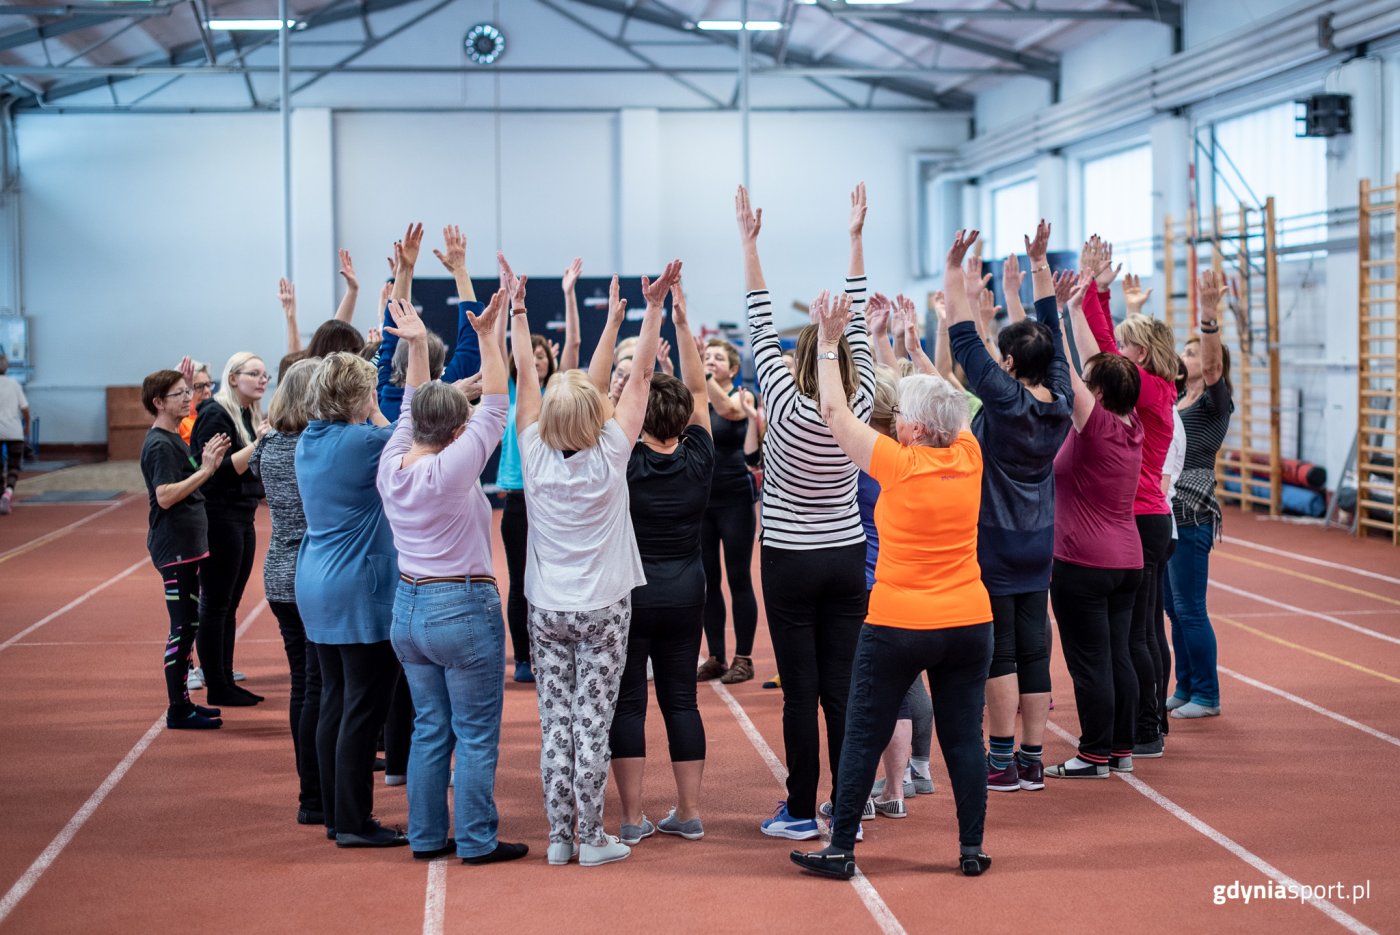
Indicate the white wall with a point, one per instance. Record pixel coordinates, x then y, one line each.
145 238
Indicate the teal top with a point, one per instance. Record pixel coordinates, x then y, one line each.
508 474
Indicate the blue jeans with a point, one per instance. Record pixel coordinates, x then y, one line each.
1193 639
451 640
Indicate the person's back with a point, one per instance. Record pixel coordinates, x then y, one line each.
1096 480
668 495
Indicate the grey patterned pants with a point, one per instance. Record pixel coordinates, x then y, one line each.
578 658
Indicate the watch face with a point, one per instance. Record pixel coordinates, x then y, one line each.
484 43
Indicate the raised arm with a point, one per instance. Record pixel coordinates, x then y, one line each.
1047 312
568 360
466 358
856 438
405 258
346 310
600 365
1134 295
880 308
287 295
1084 401
692 366
1011 279
632 405
1209 288
750 222
527 381
1086 340
773 377
856 268
409 327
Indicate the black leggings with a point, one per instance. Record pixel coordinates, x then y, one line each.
816 602
398 728
182 603
515 529
356 682
1094 608
1151 653
224 575
305 708
733 527
670 637
1022 647
888 660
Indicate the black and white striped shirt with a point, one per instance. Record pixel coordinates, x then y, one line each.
809 485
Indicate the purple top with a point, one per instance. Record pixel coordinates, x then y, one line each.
1096 479
440 517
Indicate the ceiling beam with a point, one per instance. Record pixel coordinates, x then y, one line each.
1140 11
1166 12
1035 65
195 70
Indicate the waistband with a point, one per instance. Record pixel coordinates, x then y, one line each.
449 579
514 494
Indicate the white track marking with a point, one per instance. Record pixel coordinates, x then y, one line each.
879 910
60 531
65 837
71 604
1249 857
1335 566
1289 696
435 898
1356 627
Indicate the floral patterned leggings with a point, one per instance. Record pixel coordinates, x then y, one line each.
578 658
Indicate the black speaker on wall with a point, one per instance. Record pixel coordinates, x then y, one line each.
1324 115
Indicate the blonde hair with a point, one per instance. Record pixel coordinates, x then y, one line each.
341 386
1155 338
290 408
886 398
626 347
572 412
226 398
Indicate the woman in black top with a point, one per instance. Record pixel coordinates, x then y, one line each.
1205 410
230 502
669 480
729 521
178 540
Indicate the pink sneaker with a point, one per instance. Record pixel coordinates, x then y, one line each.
1003 780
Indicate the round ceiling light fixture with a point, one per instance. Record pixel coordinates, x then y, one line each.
484 44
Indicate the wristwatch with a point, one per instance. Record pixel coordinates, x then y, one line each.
827 355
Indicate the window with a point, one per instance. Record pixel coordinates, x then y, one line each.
1015 213
1257 155
1118 205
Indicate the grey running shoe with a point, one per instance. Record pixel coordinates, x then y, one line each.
691 830
631 834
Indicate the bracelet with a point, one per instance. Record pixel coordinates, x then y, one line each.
1040 269
517 311
1215 330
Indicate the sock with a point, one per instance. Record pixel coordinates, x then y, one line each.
919 764
1028 754
1000 750
970 850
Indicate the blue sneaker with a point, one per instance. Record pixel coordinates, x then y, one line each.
523 673
783 825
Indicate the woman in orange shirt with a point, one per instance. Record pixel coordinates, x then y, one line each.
928 610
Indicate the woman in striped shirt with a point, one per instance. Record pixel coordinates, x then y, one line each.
812 545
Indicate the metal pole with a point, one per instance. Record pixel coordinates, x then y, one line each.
284 77
744 63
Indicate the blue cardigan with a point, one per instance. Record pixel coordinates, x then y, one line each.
465 360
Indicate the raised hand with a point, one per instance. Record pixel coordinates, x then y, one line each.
572 273
1037 248
655 292
962 242
832 316
987 308
1065 282
470 386
909 319
1011 276
347 270
973 275
554 351
679 317
750 221
1081 289
489 320
1210 287
510 282
186 368
617 306
287 295
663 357
1133 294
214 451
937 303
746 399
385 291
407 325
412 242
373 336
1106 272
877 313
454 252
858 207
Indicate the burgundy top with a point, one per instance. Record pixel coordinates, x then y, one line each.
1096 474
1155 404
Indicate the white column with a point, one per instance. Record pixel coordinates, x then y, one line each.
313 224
639 190
1171 186
1052 192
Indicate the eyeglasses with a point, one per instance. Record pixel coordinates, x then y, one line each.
203 386
186 391
259 375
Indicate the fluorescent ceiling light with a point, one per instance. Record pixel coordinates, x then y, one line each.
248 25
734 25
874 2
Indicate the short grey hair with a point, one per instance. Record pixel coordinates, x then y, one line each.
398 364
935 405
439 410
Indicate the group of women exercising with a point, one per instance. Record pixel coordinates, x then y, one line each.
917 516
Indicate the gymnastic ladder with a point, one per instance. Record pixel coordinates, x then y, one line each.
1241 246
1378 362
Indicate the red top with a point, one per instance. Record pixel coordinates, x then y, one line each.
1154 408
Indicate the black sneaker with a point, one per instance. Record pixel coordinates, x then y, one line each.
374 835
449 848
973 865
192 721
504 851
1151 750
827 862
310 816
207 712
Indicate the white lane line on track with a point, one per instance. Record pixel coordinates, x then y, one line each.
1289 696
71 604
435 899
1290 608
60 531
879 910
1335 566
1254 860
64 837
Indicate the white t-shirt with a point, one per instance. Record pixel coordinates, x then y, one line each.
582 553
11 402
1175 461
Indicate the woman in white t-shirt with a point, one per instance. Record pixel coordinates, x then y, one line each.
581 565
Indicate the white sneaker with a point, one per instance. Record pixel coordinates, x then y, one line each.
395 780
1193 710
239 676
562 852
195 680
5 502
595 855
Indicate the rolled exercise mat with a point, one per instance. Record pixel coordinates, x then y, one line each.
1295 500
1296 472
